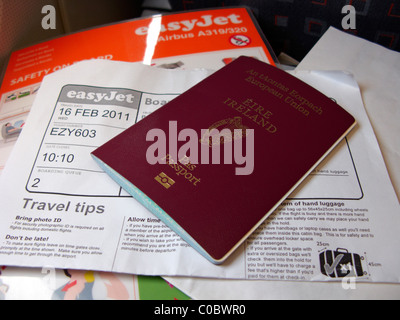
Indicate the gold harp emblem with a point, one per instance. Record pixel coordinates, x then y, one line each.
225 132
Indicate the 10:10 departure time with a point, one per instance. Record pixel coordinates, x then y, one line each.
63 158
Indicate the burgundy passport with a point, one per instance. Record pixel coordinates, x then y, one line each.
217 160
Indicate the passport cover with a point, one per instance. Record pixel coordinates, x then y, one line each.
210 206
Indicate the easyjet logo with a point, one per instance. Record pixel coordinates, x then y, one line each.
188 25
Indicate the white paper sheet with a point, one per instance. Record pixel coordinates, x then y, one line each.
63 212
211 289
377 71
